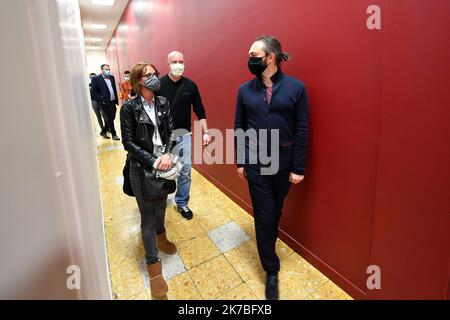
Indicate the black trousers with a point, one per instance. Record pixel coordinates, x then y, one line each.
267 194
109 114
153 214
98 114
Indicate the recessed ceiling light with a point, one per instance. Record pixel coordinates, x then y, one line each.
92 48
96 26
94 39
103 2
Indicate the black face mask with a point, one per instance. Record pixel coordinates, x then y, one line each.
256 65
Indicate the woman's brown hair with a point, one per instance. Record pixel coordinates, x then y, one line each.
136 75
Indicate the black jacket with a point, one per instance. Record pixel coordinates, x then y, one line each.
138 129
287 112
188 99
100 91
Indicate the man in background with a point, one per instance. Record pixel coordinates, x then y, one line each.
183 95
94 103
125 86
105 93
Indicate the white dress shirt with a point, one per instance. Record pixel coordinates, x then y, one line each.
150 110
111 91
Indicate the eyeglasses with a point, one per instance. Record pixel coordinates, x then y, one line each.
149 75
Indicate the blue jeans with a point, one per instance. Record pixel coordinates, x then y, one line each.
184 179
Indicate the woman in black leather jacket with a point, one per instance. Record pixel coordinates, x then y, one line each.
147 131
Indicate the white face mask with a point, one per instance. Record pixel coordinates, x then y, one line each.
177 69
126 78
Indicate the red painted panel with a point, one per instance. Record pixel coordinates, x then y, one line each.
111 56
329 218
411 240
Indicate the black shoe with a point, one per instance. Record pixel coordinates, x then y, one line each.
115 137
104 135
185 212
272 287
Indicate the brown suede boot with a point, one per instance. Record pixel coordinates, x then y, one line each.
164 244
158 285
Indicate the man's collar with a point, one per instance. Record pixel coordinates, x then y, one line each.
173 81
275 78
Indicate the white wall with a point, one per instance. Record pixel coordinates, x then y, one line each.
50 204
94 59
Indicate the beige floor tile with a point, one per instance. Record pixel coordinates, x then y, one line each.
289 287
173 217
195 251
214 277
118 233
245 260
298 278
139 247
329 291
212 220
182 287
257 285
283 250
127 280
184 230
140 296
134 227
119 254
238 214
241 292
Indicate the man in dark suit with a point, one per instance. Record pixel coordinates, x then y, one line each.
104 92
274 102
95 106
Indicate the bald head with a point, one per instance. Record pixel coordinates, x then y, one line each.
175 62
175 56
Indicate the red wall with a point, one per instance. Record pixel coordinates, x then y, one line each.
377 183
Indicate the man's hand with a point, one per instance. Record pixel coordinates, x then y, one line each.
165 162
241 173
206 139
295 178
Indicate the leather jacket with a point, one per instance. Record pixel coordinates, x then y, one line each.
138 129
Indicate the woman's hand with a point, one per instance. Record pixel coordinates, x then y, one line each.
165 163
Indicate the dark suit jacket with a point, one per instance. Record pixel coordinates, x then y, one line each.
100 91
287 112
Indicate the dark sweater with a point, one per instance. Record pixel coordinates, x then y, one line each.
189 96
288 112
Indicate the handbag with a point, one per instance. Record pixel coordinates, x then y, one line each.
154 187
157 183
127 189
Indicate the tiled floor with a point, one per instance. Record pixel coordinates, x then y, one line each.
217 256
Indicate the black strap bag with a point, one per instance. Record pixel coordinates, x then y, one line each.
127 189
154 187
